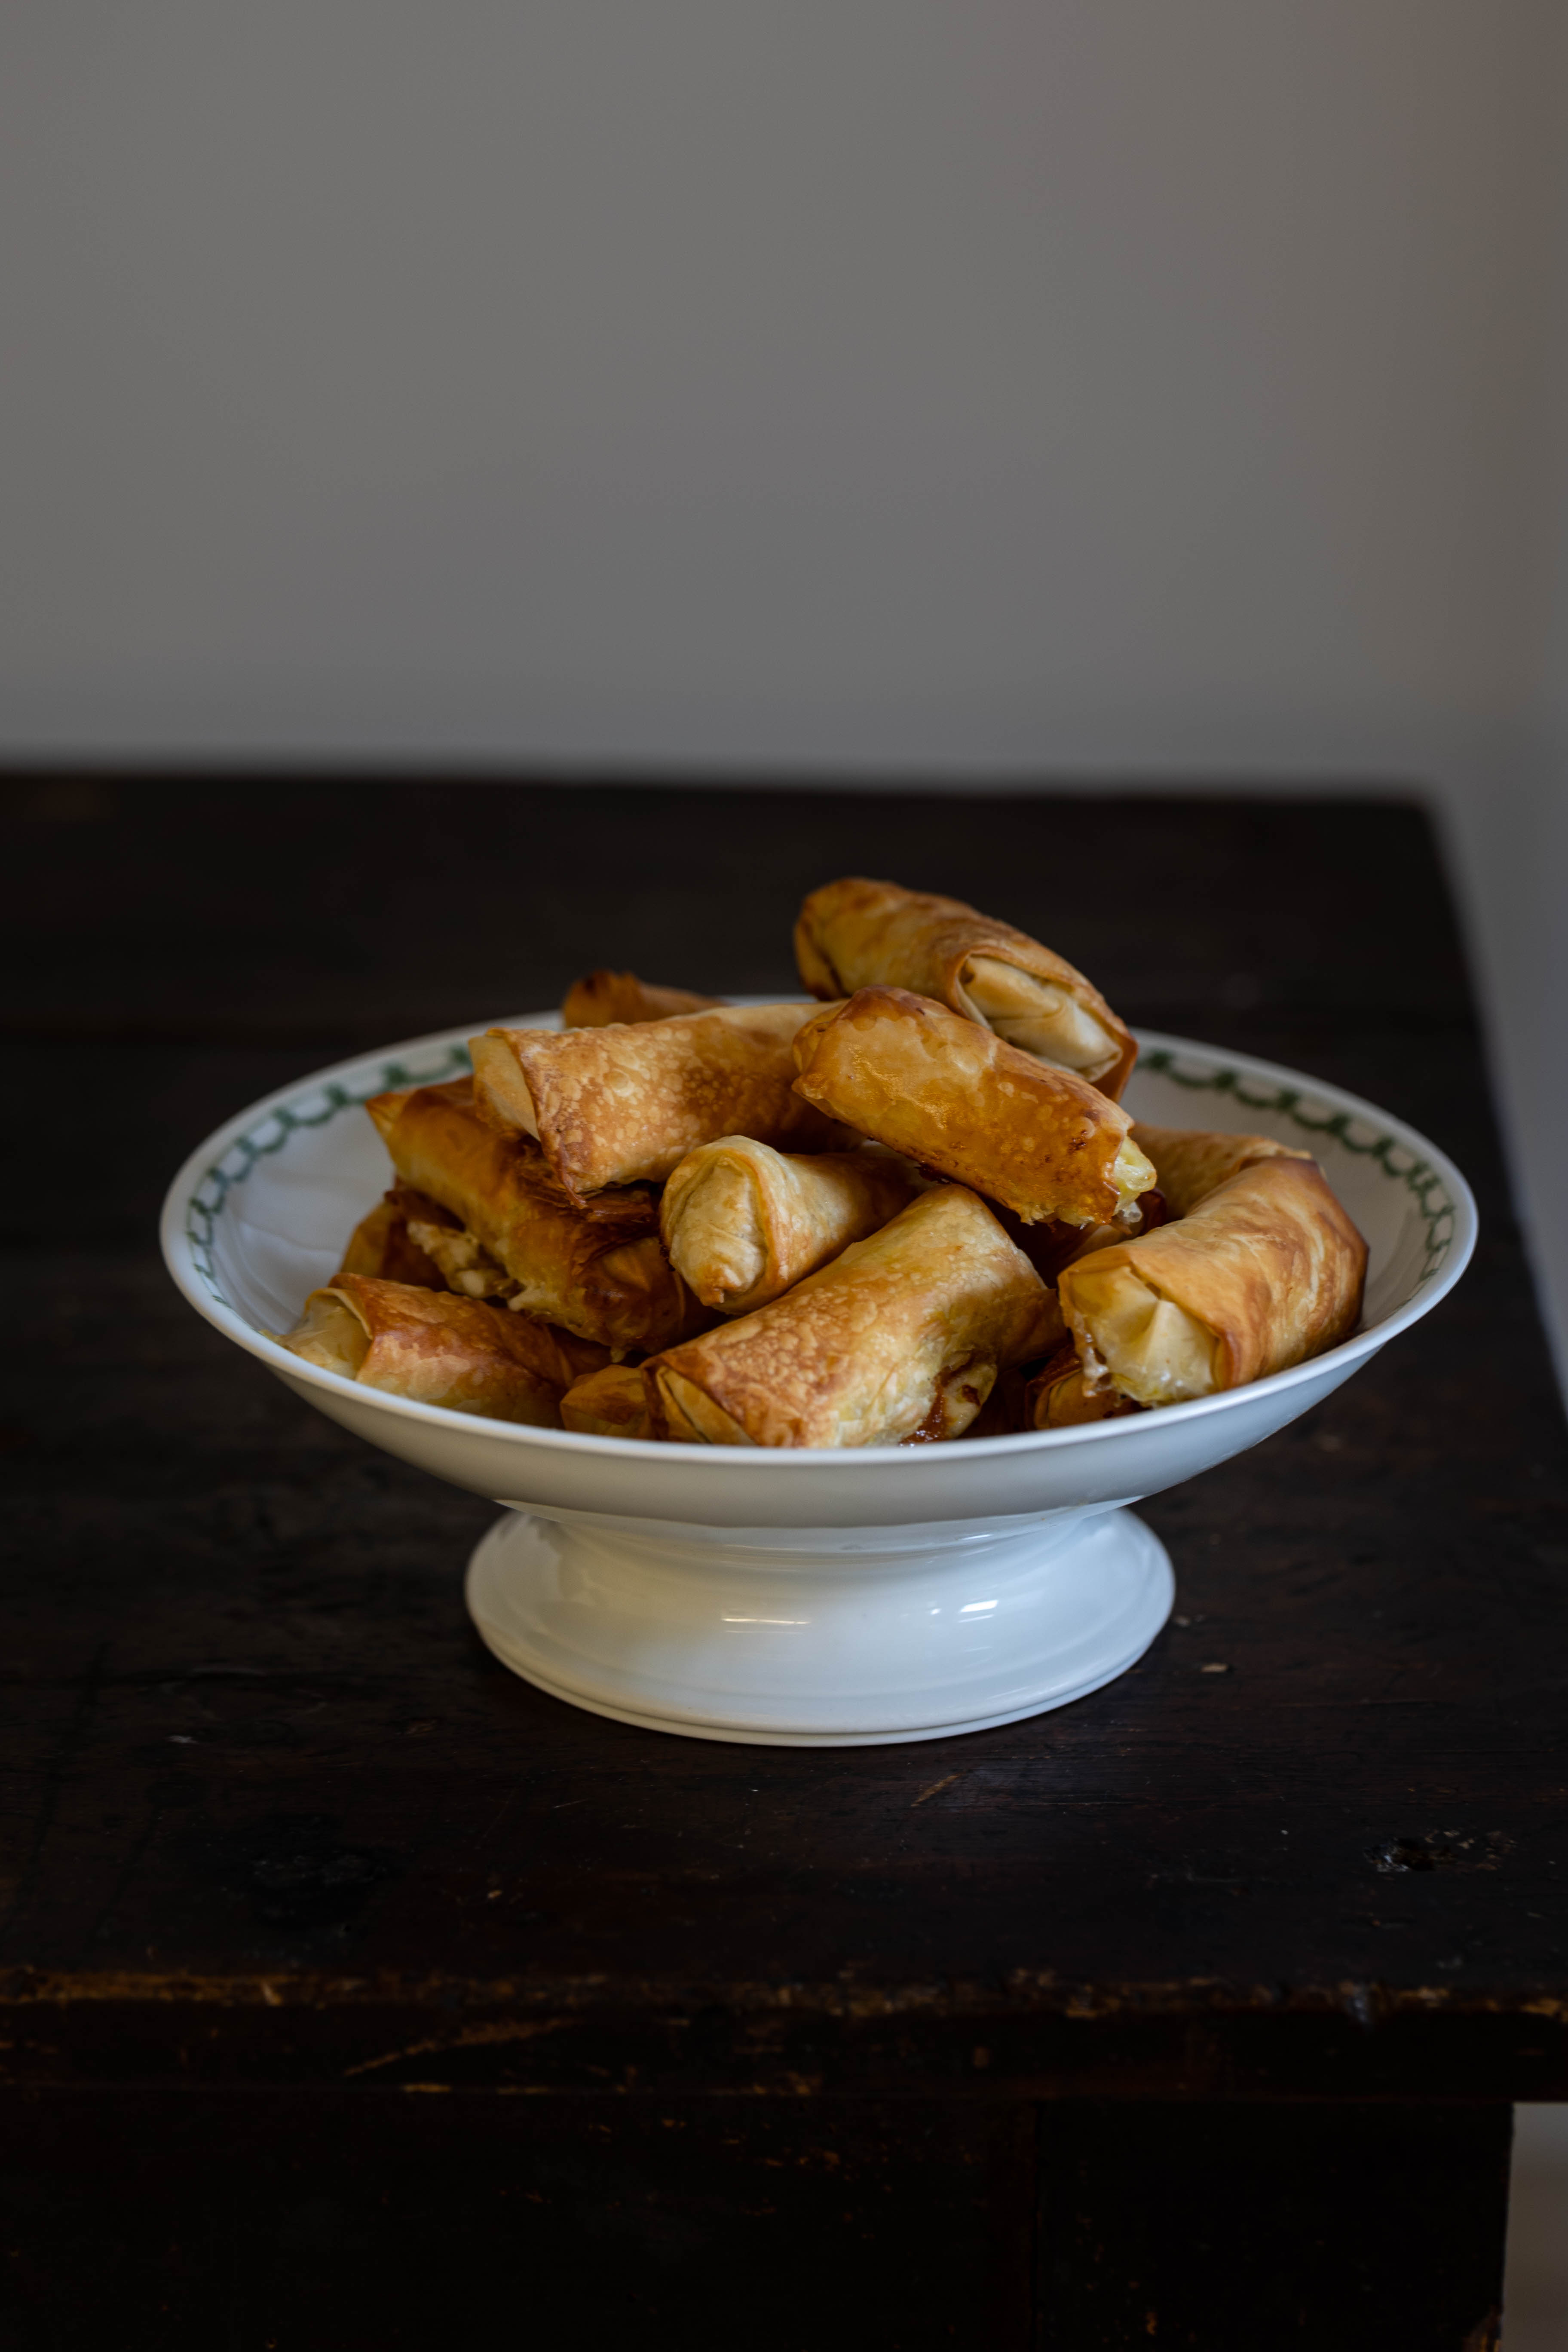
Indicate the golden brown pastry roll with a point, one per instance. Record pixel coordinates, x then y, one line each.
1059 1397
606 996
437 1349
1191 1162
742 1223
382 1245
625 1105
1266 1271
595 1268
955 1097
611 1404
900 1337
858 934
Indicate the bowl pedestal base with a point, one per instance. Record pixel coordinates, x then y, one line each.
820 1637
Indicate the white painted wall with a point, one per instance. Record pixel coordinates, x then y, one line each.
996 386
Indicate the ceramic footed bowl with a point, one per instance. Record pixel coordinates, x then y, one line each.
813 1598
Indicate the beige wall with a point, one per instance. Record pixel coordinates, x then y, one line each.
1085 386
1082 382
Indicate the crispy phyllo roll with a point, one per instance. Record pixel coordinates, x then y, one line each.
857 934
742 1223
438 1349
901 1337
384 1246
957 1099
1190 1161
625 1105
595 1268
1059 1397
606 996
608 1404
1265 1271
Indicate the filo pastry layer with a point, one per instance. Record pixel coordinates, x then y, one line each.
1265 1271
625 1105
1190 1161
742 1223
610 1403
857 933
954 1097
435 1349
598 1270
1059 1396
901 1337
605 996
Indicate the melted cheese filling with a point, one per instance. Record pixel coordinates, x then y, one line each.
1132 1174
1149 1348
466 1266
1040 1017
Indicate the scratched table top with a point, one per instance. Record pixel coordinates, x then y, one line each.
274 1814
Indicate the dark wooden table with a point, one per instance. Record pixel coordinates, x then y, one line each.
357 1995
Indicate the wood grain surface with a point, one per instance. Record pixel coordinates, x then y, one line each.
279 1827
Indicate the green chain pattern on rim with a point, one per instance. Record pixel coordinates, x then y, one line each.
207 1203
1422 1181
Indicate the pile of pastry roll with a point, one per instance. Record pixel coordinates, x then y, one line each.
912 1212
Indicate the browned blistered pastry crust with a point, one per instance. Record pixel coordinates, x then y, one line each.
1058 1397
1266 1271
857 933
596 1268
611 1404
742 1223
1190 1161
625 1105
605 996
900 1337
954 1097
382 1245
437 1349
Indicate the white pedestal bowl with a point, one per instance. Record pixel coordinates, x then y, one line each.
809 1599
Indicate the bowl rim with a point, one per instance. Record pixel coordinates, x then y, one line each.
1158 1051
